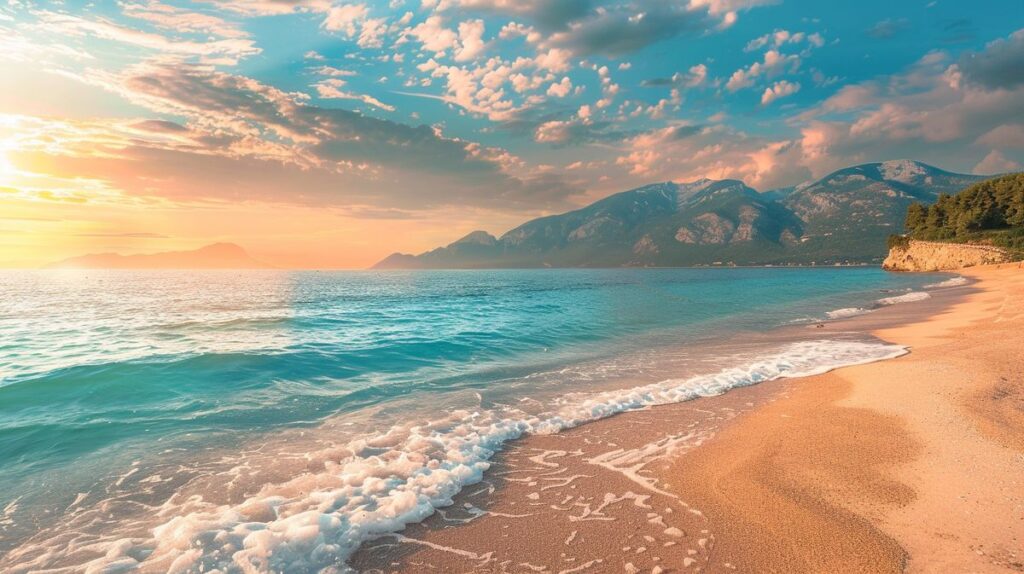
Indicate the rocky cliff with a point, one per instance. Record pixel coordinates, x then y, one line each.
934 256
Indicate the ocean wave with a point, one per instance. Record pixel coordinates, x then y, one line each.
846 312
954 282
905 298
379 484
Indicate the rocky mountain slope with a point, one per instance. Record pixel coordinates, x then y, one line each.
845 216
851 212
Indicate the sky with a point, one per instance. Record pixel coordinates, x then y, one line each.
329 134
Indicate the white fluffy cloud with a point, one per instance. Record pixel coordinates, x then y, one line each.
995 162
346 18
774 62
560 89
471 43
779 90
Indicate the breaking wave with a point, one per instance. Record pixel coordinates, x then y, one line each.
314 521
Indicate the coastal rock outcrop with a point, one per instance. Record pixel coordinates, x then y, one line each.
935 256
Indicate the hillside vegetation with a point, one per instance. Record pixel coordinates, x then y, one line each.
990 212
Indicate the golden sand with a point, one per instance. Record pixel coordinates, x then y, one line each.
914 463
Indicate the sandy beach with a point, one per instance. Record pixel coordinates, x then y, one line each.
911 464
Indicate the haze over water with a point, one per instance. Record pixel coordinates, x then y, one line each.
125 392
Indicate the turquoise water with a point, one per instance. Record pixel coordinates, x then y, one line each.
121 391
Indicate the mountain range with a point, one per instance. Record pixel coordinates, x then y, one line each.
844 217
214 256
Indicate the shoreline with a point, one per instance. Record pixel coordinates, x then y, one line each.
603 496
249 508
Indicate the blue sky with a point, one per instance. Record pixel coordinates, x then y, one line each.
484 112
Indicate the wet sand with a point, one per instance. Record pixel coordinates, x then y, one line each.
910 464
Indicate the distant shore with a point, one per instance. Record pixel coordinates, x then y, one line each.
915 463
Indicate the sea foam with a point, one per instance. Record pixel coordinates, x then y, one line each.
846 312
953 282
905 298
379 484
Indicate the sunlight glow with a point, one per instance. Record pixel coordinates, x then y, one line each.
7 171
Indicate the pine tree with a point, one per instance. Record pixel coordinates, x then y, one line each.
916 215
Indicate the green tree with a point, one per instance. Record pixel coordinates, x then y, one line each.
916 215
991 211
936 218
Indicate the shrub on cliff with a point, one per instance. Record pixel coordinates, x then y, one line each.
991 212
898 242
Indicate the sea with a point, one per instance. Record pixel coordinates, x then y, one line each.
273 421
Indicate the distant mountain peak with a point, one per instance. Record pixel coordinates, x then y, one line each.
898 171
223 248
904 170
476 238
214 256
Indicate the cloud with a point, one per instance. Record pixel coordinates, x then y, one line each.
888 28
547 14
333 88
957 31
928 112
483 79
690 152
995 163
228 50
160 126
696 76
346 18
249 140
271 7
774 63
471 42
332 72
132 235
353 21
1004 136
560 89
179 20
579 131
1000 65
620 30
434 36
779 38
779 90
611 28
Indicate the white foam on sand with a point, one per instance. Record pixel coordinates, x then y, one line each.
379 484
954 282
906 298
